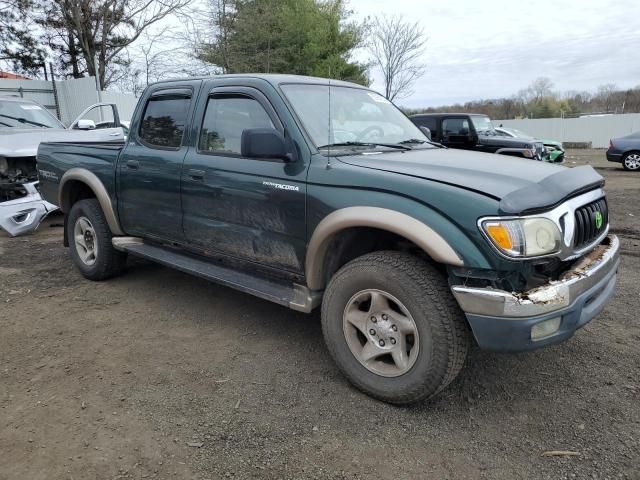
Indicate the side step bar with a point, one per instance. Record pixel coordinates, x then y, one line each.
297 297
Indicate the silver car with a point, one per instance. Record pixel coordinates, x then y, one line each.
23 125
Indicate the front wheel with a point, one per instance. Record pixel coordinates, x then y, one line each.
90 244
393 327
631 161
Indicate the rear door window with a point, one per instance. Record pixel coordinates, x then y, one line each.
163 121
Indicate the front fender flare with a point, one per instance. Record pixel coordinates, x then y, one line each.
390 220
93 182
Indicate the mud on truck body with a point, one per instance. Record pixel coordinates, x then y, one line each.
321 194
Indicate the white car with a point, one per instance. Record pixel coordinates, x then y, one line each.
23 125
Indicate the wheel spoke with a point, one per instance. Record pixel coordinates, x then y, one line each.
84 224
400 355
85 255
357 318
80 241
405 325
378 302
370 351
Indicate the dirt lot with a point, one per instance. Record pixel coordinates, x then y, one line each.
157 374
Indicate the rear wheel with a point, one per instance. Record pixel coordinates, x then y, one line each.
393 327
89 240
631 161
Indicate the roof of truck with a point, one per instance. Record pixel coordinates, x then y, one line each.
441 114
273 78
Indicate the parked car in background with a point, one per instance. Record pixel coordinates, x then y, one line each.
23 125
476 132
625 150
553 149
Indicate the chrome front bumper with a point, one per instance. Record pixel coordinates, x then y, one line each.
586 273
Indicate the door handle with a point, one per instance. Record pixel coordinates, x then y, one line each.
114 134
196 174
133 164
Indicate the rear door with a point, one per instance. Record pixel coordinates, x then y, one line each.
150 166
242 207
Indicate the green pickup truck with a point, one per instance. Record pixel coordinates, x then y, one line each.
312 193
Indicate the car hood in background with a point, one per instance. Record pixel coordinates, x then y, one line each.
521 185
507 142
22 142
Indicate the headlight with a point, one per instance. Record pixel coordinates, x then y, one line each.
525 237
529 151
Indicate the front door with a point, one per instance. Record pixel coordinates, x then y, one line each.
150 165
246 208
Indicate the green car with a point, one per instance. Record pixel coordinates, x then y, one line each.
553 150
320 194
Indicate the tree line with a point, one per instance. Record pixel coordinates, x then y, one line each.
539 100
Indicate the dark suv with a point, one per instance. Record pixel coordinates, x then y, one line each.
476 132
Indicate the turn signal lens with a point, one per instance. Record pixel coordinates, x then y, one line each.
500 235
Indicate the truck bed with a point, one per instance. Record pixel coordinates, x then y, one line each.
56 158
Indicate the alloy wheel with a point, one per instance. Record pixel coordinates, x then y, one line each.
85 240
381 333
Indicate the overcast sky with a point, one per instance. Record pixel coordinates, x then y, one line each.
493 48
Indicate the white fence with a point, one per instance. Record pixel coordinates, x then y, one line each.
597 130
73 96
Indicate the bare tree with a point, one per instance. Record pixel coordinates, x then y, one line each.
96 33
397 46
540 88
606 96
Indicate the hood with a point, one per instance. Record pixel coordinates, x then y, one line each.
499 176
24 142
509 142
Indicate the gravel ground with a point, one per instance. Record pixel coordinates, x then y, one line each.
157 374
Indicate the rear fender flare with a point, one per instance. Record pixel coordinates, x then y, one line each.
382 218
93 182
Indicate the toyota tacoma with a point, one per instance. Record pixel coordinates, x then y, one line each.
313 193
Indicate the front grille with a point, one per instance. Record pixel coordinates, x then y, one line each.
591 221
539 150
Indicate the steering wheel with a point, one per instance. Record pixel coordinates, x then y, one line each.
368 131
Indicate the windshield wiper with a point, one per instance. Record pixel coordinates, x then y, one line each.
420 142
366 144
24 120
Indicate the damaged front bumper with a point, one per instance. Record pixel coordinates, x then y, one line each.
507 321
23 215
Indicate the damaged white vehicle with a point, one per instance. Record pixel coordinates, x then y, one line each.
23 125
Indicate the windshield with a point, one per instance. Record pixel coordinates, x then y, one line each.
26 115
482 124
355 118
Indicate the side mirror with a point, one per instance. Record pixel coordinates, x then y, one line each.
266 143
426 131
86 124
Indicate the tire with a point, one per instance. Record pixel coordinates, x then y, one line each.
87 220
631 161
410 285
